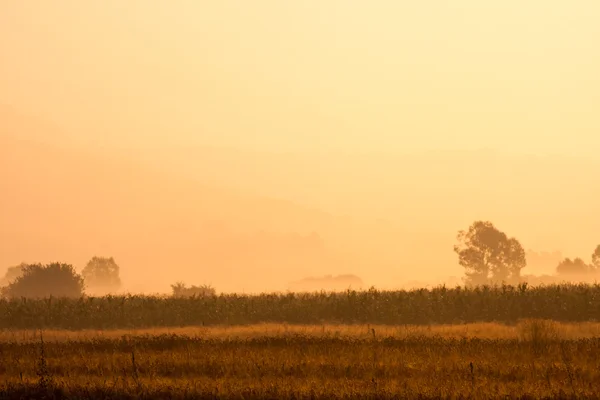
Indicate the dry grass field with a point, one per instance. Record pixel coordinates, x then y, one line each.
486 342
485 330
530 359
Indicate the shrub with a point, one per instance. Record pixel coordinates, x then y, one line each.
539 333
41 281
573 267
180 290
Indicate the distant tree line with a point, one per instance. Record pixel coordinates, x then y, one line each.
489 256
100 276
578 266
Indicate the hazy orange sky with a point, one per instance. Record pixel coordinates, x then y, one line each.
423 114
311 75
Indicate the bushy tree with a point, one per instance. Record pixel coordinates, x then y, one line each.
573 267
181 290
102 274
39 281
489 255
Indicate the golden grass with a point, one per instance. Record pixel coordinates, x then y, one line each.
487 330
533 359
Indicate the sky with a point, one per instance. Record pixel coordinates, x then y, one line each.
369 123
392 76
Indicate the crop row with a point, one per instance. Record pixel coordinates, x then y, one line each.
507 304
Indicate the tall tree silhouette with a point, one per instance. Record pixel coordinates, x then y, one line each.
489 255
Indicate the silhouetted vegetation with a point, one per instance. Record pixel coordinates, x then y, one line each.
578 269
596 257
101 274
43 281
573 267
12 273
489 255
181 290
420 307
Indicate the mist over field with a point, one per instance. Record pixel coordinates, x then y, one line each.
251 147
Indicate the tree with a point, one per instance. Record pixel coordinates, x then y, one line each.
37 281
596 258
11 274
488 255
102 274
573 267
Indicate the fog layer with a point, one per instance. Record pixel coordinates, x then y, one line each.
251 146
